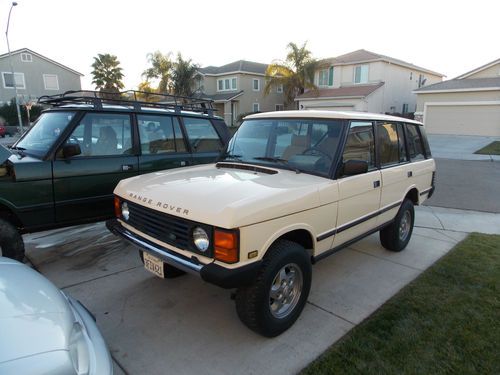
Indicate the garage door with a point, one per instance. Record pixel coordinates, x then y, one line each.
463 119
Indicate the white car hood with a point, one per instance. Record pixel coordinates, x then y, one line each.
34 315
224 197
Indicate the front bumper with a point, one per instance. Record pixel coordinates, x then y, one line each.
212 273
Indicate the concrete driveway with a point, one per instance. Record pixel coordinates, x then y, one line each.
185 326
460 147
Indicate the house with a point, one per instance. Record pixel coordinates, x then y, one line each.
35 75
238 88
368 82
466 105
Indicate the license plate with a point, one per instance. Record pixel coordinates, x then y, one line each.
153 265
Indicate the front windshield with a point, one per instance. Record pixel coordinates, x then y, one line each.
46 130
304 145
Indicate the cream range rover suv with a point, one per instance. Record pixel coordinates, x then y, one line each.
291 188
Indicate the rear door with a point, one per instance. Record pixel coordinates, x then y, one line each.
397 172
84 184
359 195
163 145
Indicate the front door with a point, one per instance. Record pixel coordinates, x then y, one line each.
359 195
204 141
84 184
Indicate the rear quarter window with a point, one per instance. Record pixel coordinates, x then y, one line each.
415 143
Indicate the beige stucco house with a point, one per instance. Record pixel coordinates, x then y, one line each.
368 82
238 88
466 105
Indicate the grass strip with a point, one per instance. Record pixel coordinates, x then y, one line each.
447 321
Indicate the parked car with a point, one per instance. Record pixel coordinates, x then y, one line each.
293 188
45 331
63 170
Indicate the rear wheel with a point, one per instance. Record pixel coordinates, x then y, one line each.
11 242
276 298
170 272
396 236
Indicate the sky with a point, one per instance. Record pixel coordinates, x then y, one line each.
450 37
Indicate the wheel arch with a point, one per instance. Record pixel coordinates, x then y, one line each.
413 195
300 235
7 214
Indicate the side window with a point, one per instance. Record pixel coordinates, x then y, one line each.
388 145
202 135
402 145
158 135
415 146
101 134
360 145
425 143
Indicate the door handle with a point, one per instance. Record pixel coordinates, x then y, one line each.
376 184
410 173
127 167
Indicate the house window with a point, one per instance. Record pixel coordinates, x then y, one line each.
256 107
361 74
256 84
279 107
279 88
50 82
323 77
226 84
8 81
26 57
405 108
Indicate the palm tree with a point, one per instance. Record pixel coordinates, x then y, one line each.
161 67
296 73
184 76
107 74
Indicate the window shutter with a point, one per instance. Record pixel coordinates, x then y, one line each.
330 76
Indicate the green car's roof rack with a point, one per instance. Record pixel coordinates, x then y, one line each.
136 100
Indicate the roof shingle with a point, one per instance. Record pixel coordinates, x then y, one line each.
462 84
236 66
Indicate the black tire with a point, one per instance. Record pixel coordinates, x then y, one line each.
170 272
11 242
396 236
254 303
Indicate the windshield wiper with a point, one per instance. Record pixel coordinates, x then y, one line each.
229 156
19 149
278 160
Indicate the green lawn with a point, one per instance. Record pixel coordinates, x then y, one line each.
492 149
447 321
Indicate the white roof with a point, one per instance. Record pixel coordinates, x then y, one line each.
344 115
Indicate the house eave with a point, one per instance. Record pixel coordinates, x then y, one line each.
456 90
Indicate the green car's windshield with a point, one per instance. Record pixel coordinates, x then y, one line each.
304 145
46 130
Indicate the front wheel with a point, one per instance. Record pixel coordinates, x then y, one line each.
11 242
396 236
276 298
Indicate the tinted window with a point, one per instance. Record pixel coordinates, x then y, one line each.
158 135
388 143
415 146
360 145
103 134
402 145
202 135
425 143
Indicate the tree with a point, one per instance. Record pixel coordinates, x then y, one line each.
184 76
161 68
296 73
107 74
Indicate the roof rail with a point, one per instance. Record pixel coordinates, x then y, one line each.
132 99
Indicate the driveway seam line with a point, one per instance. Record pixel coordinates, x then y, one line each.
119 364
447 240
387 260
97 278
331 313
448 230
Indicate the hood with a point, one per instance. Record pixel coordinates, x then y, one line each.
225 197
34 315
4 154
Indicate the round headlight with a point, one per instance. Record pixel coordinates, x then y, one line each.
200 239
125 211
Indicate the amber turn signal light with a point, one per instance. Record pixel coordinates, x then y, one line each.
226 246
118 210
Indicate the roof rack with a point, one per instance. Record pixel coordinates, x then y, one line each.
136 100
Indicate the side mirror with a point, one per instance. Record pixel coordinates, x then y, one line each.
70 150
354 167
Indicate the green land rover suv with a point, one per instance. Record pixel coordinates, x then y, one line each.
63 171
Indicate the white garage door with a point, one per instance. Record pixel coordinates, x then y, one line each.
463 119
